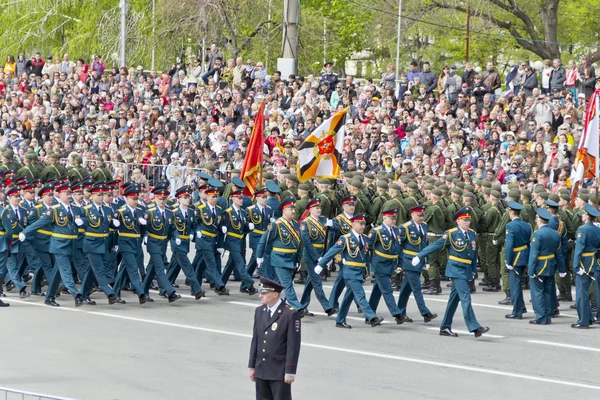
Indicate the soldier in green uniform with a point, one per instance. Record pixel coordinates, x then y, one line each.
572 224
76 171
380 198
395 193
435 218
325 197
302 199
291 182
491 220
8 161
28 171
363 205
54 170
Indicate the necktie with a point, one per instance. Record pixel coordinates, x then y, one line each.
69 211
264 214
100 211
184 215
360 239
163 214
392 233
421 231
17 214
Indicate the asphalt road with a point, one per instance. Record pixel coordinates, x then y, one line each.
193 350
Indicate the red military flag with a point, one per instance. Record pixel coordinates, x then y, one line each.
251 173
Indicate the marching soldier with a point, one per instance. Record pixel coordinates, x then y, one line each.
184 220
559 225
545 256
518 235
5 240
491 220
132 220
96 220
585 261
61 223
313 231
235 226
18 219
413 238
209 241
275 345
273 198
260 215
384 242
436 226
461 268
341 226
160 227
28 171
54 170
355 260
282 239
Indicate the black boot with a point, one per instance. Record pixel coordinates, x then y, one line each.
434 287
494 285
426 283
472 287
525 283
443 276
507 300
485 281
302 279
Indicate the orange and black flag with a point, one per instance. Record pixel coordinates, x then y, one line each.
320 155
252 170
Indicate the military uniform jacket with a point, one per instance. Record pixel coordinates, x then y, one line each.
282 239
42 236
587 248
261 221
62 225
78 212
355 258
159 229
274 204
275 345
386 248
185 225
462 253
314 236
412 242
96 226
435 218
130 231
341 226
518 235
5 230
237 227
546 253
209 225
18 223
558 225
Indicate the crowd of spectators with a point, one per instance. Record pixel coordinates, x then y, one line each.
470 123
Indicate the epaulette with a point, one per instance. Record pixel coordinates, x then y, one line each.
472 230
202 206
424 223
252 206
268 206
56 206
219 207
152 209
228 209
137 208
406 223
87 207
38 206
452 230
347 235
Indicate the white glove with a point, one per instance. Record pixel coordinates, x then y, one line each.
319 259
78 221
297 266
116 223
260 261
221 251
318 269
145 239
142 221
177 241
415 261
427 266
329 223
251 226
272 219
22 237
117 248
224 229
191 236
198 234
562 274
509 267
579 272
495 242
344 261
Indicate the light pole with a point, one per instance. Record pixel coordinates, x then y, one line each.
398 47
123 30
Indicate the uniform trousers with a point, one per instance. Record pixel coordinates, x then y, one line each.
383 287
286 277
541 297
44 267
582 301
156 268
63 273
128 269
354 290
314 282
516 291
460 292
412 284
97 269
272 390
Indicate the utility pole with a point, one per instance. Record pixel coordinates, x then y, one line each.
153 35
288 63
398 46
468 30
123 31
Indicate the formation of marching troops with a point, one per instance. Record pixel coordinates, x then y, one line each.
391 230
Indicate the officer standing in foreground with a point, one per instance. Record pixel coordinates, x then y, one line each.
518 235
587 243
461 268
275 345
545 256
5 239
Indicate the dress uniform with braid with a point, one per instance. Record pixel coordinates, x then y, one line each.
260 217
341 226
518 236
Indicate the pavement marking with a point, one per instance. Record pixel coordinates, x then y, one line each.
430 298
241 303
338 349
470 333
569 346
